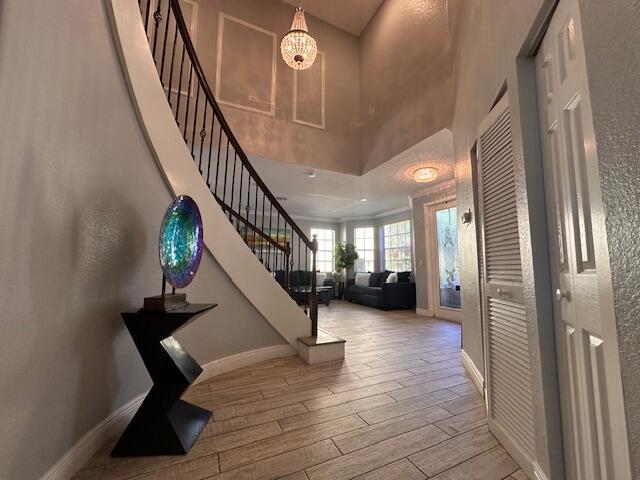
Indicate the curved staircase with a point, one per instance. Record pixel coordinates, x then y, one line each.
247 230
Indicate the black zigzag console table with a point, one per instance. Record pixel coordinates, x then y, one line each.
164 424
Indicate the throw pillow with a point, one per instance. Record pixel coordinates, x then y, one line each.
403 276
385 275
320 278
392 278
375 280
362 279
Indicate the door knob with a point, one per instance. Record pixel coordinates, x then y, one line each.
560 295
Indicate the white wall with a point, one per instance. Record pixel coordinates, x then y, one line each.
81 201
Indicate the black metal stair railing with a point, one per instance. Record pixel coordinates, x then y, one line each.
260 220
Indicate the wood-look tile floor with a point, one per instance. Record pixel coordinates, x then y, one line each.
400 406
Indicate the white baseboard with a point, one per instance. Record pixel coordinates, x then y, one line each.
538 473
472 370
72 461
424 312
239 360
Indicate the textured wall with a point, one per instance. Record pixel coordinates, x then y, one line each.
612 47
485 28
81 200
406 77
277 137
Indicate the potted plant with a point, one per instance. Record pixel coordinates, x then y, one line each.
346 256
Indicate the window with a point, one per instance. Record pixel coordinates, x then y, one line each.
326 244
364 246
397 246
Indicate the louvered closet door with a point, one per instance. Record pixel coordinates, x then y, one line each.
509 393
593 420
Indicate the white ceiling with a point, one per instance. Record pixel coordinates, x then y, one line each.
351 16
336 196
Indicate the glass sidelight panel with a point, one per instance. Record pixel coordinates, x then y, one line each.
448 269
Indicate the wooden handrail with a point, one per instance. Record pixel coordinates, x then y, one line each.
186 38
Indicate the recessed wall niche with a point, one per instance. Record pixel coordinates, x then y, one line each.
246 65
309 93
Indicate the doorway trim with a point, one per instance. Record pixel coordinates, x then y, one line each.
430 248
444 313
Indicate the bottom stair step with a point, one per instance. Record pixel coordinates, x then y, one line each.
323 348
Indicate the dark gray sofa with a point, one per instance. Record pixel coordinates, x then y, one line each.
382 295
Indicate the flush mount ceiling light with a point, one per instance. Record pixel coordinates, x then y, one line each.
311 174
425 174
363 200
298 48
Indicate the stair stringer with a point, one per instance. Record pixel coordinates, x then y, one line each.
182 177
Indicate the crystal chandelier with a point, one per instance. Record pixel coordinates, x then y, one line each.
298 48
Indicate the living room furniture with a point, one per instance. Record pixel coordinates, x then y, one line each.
382 295
164 424
325 294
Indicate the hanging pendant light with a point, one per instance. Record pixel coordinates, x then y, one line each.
298 48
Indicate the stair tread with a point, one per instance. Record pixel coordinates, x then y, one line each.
323 338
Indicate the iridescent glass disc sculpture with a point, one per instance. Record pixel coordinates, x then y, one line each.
181 241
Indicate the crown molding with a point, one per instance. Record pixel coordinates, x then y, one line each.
407 208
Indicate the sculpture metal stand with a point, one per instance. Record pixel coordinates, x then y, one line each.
164 424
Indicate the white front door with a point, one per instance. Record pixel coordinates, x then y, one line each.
444 271
593 420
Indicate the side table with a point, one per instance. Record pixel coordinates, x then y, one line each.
164 424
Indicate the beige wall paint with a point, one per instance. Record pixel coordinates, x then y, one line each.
84 198
487 27
406 78
278 137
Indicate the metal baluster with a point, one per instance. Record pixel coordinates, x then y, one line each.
157 18
164 46
313 273
186 117
240 194
269 246
179 95
213 126
247 208
314 292
226 167
233 182
215 189
195 119
146 18
255 218
287 272
203 134
173 54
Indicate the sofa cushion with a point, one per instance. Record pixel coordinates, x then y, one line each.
374 291
375 280
363 279
403 277
357 289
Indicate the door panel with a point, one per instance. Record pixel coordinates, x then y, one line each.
509 390
587 358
